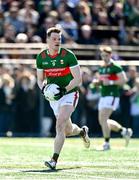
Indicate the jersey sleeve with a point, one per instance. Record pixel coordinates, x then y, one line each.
72 59
118 68
38 62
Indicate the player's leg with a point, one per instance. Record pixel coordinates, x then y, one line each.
114 126
125 132
62 118
104 115
72 130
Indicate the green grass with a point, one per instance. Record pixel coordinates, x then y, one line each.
23 158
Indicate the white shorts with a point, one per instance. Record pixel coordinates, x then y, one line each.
108 102
70 99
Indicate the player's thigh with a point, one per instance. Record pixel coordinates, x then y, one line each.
70 99
65 112
105 113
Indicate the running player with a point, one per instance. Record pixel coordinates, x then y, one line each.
111 77
60 66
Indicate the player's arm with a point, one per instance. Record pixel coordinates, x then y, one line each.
40 74
77 78
40 78
122 78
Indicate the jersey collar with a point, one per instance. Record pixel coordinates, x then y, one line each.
55 55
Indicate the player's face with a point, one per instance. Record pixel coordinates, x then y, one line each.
105 56
54 41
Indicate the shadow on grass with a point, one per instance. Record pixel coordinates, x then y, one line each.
51 170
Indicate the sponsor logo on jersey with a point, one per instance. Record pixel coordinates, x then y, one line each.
44 63
56 72
61 61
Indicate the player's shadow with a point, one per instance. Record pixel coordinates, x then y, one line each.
51 170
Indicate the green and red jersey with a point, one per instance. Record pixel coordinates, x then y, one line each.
57 68
110 72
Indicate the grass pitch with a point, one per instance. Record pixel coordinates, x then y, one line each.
23 158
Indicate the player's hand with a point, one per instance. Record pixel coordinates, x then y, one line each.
96 82
62 92
107 82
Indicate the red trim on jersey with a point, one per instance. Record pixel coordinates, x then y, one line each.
75 98
56 72
63 53
53 56
43 55
112 77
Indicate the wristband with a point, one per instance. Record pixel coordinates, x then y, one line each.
111 82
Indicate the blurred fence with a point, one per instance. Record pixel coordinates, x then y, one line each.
26 53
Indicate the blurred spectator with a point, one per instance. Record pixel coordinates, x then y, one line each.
21 38
61 9
86 35
6 103
114 42
132 74
54 15
83 14
116 13
36 39
126 92
122 35
132 38
1 22
131 13
103 18
95 9
69 25
12 18
92 99
44 12
26 106
9 34
135 108
28 14
48 22
31 31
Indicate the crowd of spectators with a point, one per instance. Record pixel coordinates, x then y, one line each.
24 112
19 100
79 20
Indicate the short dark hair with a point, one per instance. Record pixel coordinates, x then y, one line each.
53 30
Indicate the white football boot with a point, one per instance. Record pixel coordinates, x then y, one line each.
127 134
106 146
51 164
85 137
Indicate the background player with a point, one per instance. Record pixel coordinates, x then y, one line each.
111 77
